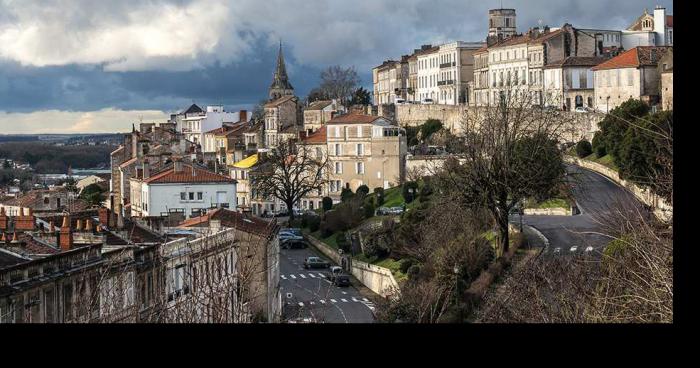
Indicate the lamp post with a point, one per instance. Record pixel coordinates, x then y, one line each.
458 292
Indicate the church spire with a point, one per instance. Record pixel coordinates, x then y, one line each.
280 81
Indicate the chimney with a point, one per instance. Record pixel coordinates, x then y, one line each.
103 214
52 227
21 212
14 238
88 226
79 225
302 135
120 218
3 239
146 169
243 115
3 219
65 237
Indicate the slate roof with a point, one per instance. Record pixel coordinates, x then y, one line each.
279 101
194 109
577 61
319 105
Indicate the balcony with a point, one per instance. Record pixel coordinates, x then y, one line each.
446 82
447 65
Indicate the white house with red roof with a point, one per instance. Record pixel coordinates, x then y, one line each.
184 188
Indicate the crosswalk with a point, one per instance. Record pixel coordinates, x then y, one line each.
567 250
307 275
369 304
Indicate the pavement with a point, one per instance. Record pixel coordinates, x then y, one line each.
315 298
596 196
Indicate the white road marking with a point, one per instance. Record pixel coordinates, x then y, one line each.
557 250
589 249
302 276
312 303
573 249
333 301
322 301
312 275
320 274
292 276
354 299
345 292
365 299
283 277
344 300
301 304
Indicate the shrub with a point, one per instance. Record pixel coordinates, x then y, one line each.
379 192
369 207
425 192
408 187
583 149
413 272
344 217
327 204
405 265
325 229
363 190
346 195
598 145
342 241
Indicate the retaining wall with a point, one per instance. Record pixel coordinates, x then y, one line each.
557 211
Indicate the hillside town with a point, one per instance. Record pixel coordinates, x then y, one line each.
200 216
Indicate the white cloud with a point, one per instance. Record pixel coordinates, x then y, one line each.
55 121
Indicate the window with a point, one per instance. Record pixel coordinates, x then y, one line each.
360 168
338 167
337 149
200 196
67 302
48 306
191 196
360 149
359 131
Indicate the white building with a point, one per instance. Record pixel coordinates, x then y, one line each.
196 121
181 188
456 65
428 73
649 30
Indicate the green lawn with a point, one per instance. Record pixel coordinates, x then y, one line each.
552 203
606 160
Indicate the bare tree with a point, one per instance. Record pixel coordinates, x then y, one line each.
289 173
509 153
339 83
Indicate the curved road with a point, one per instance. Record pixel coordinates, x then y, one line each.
597 196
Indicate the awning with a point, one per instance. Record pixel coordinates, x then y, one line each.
248 162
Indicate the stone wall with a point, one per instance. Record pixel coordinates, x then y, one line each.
662 210
425 165
558 211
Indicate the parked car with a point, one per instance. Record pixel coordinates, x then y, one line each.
333 272
427 101
342 280
581 109
291 243
400 101
286 234
315 262
281 213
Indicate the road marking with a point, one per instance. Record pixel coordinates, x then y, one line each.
312 303
312 275
344 292
301 304
292 276
344 300
365 299
320 274
302 276
354 299
322 301
333 301
573 249
283 277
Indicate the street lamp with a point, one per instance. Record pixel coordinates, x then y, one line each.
458 292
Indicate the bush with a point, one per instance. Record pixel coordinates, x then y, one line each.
583 149
425 192
342 241
379 193
345 216
369 207
363 190
598 145
346 195
408 187
405 265
314 224
327 203
413 272
429 127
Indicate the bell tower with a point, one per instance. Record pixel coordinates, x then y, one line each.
280 81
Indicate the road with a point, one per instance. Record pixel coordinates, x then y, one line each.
313 296
596 196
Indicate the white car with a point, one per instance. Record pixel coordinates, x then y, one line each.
581 109
427 101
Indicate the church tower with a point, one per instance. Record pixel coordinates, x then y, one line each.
280 81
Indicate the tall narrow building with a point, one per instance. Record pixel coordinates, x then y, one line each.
280 81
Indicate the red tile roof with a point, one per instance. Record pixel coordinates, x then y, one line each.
189 174
354 118
634 58
318 136
235 220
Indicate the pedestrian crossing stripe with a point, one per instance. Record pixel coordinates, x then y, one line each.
365 299
354 299
344 300
302 276
312 303
573 249
322 301
320 274
589 249
301 304
333 301
292 276
283 277
312 275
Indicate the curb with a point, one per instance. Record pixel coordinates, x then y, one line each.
541 236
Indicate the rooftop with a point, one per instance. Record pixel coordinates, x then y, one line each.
235 220
318 136
635 58
354 118
189 174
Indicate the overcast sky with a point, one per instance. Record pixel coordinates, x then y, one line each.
101 65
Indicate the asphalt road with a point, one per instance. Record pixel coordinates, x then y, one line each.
597 197
314 297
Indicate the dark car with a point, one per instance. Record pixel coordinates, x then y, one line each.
293 244
333 272
315 262
341 280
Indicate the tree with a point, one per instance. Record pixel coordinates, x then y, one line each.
361 96
379 192
409 191
362 190
339 83
510 153
289 173
429 127
327 203
615 124
93 194
315 95
346 194
583 148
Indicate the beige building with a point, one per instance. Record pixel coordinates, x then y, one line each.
318 113
456 70
666 70
281 120
317 144
388 85
480 86
364 150
570 82
632 74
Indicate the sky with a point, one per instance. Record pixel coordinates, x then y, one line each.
95 66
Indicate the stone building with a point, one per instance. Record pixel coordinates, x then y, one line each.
318 113
666 71
501 25
570 82
280 86
281 120
388 83
632 74
456 64
364 150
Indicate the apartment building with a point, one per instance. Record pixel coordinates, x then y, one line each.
428 73
456 65
388 82
364 150
570 82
